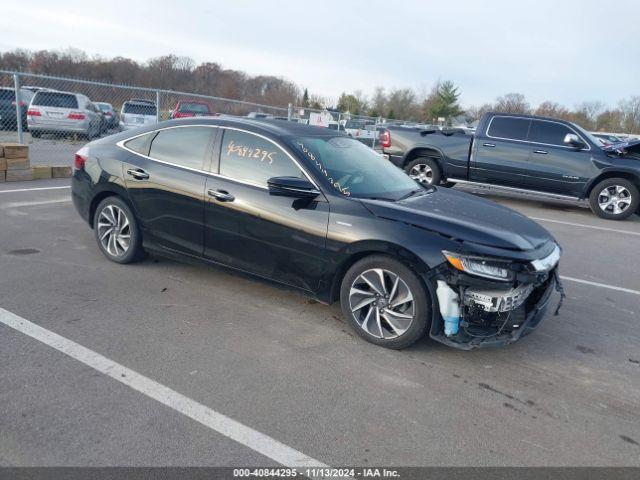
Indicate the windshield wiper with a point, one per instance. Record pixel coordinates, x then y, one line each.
410 194
384 199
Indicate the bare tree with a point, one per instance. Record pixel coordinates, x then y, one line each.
552 109
512 103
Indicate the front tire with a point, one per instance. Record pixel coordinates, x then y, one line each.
385 302
424 170
614 199
117 232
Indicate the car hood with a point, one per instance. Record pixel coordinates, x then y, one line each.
464 217
632 146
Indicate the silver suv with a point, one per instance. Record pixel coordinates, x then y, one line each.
63 112
137 112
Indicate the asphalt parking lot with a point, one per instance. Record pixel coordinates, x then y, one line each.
271 374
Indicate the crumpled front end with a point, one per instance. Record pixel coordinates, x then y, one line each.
474 312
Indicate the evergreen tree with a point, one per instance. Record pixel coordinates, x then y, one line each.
446 104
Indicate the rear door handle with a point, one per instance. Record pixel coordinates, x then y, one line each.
221 195
492 145
138 174
540 152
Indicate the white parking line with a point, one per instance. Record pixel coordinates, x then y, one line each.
34 203
261 443
33 189
601 285
606 229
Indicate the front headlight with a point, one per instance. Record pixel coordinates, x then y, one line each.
480 266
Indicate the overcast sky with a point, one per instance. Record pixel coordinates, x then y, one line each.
567 51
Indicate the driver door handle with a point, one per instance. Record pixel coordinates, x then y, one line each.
221 195
540 152
138 174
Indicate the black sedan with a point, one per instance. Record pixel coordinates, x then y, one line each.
315 210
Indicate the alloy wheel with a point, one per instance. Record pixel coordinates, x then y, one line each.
614 199
422 173
114 230
381 303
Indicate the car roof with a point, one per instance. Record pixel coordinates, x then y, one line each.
273 126
59 91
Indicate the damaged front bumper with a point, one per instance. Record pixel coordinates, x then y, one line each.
490 314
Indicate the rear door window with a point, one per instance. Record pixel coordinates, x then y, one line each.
252 159
55 99
510 128
183 146
140 144
550 133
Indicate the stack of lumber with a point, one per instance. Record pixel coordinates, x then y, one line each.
15 165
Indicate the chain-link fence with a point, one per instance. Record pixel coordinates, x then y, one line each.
56 115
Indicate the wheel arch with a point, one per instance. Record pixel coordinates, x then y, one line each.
633 177
112 191
424 151
360 250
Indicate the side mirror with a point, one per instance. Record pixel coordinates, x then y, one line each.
573 140
292 187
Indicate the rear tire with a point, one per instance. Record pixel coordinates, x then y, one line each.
424 170
614 199
392 311
35 133
116 231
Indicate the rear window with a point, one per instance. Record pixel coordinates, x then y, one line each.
105 107
139 109
194 108
7 96
55 99
509 127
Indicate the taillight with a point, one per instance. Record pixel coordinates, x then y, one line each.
76 116
385 138
33 113
81 158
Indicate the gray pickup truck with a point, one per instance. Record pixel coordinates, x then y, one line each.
543 155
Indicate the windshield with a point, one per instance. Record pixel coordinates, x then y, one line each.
354 169
590 136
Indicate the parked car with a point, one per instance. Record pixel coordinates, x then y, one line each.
185 109
8 107
138 112
608 138
543 155
110 114
360 129
335 126
260 115
63 112
317 211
